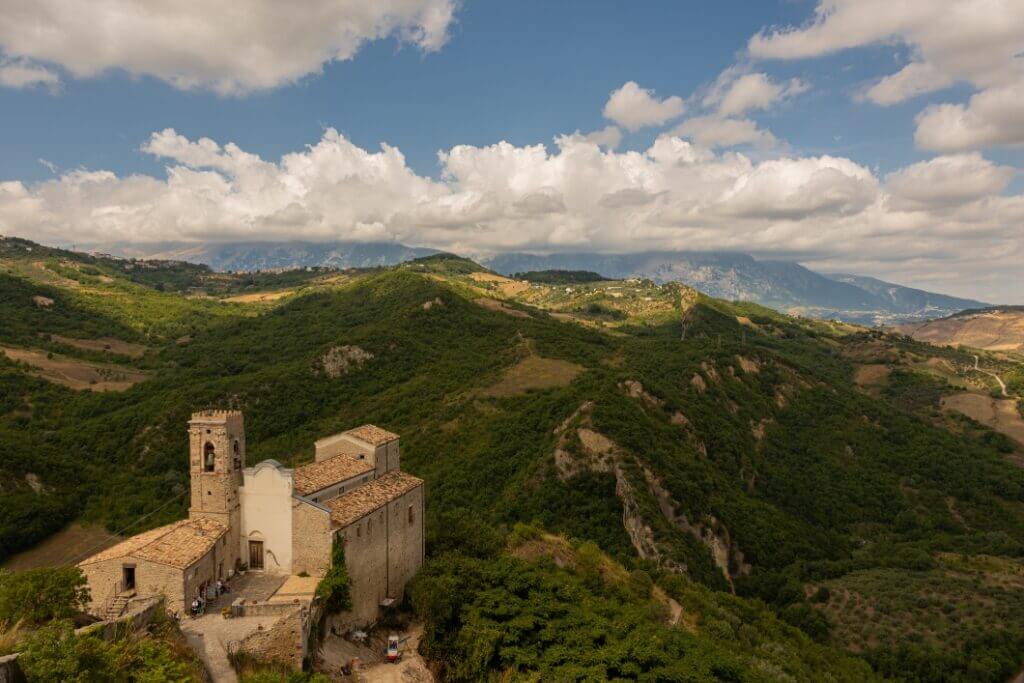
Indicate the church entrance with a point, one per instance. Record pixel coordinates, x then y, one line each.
255 554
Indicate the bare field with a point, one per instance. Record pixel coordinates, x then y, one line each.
495 305
70 544
106 344
259 297
533 372
871 375
999 414
76 374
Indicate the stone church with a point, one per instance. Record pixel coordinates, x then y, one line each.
269 518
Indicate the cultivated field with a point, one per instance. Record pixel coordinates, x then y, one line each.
73 373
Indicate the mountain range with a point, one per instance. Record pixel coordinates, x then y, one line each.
783 285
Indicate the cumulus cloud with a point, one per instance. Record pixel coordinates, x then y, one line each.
609 137
916 78
229 47
992 117
947 181
736 93
18 73
972 41
579 195
714 131
633 107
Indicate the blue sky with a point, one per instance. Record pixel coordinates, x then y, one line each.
525 72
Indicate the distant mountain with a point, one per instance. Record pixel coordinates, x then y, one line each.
782 285
252 256
907 299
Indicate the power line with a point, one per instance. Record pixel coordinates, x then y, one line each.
118 533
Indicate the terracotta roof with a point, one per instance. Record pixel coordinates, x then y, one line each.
372 495
319 475
179 544
372 435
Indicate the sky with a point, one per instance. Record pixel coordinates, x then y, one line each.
868 136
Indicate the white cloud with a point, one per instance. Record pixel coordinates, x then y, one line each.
19 73
230 47
992 117
633 107
979 42
947 181
734 93
916 78
713 131
609 137
946 213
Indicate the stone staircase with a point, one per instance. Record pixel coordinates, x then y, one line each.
116 607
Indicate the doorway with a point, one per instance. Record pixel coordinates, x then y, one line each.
128 578
255 554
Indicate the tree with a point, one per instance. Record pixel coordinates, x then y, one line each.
43 594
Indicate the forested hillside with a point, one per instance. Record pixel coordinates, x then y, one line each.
806 514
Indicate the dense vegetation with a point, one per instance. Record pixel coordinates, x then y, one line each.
748 436
560 277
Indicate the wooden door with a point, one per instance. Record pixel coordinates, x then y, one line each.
255 554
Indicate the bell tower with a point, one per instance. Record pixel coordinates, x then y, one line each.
216 441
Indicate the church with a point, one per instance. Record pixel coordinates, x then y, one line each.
274 519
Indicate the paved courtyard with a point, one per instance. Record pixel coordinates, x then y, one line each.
211 634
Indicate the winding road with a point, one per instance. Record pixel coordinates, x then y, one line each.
999 379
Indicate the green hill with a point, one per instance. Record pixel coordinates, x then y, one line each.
720 447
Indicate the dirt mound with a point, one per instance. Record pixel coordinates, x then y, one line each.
76 374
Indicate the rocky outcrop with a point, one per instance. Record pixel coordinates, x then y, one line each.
339 360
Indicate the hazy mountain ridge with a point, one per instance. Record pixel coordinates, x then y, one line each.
253 256
785 286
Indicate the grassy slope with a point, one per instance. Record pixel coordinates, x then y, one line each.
839 483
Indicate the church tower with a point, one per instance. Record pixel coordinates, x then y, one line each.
216 458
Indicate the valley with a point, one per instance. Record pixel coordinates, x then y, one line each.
645 462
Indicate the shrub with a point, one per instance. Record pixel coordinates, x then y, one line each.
334 588
43 594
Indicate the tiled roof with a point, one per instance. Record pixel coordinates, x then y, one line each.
372 435
319 475
372 495
179 544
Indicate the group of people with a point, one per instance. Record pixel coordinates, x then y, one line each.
213 591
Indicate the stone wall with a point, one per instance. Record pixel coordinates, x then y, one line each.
151 579
405 540
383 550
202 571
10 672
311 538
366 559
284 642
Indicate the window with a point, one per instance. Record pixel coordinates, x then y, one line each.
238 455
208 457
412 515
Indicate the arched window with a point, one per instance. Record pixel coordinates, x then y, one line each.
208 457
238 454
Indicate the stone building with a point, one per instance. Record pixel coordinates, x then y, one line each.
273 519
